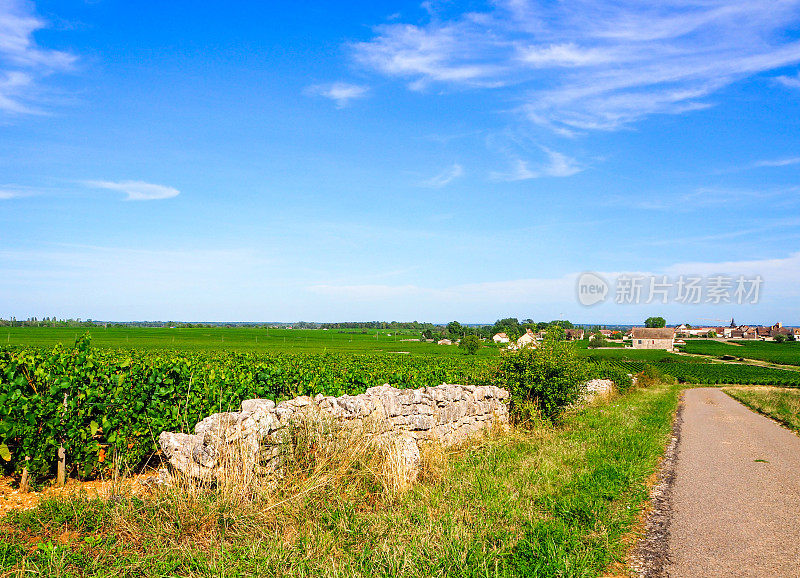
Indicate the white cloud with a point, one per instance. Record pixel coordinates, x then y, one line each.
789 81
22 62
557 165
446 53
13 192
557 295
137 190
777 162
701 198
591 64
339 92
445 177
519 172
566 55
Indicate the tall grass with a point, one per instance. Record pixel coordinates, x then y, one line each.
544 501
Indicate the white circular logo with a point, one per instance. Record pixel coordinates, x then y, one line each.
592 289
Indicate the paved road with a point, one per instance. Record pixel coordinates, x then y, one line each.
732 513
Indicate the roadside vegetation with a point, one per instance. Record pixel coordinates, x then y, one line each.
781 404
545 499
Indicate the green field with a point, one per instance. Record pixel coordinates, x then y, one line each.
787 353
112 398
630 354
249 339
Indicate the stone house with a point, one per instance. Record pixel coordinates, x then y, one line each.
653 338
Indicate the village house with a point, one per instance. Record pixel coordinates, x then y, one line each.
573 334
653 338
744 332
528 339
500 338
444 342
775 330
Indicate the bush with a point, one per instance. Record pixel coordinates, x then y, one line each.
470 344
598 340
651 376
550 376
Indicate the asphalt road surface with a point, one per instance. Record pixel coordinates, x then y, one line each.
736 495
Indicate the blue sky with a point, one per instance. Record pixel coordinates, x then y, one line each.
434 161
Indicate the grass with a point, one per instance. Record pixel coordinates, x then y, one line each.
545 501
780 404
234 339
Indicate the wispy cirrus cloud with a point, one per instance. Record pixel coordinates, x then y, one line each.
342 93
445 177
789 81
776 162
136 190
583 65
701 198
557 165
23 64
8 192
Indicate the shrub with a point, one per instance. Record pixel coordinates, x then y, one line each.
598 340
470 344
550 376
651 376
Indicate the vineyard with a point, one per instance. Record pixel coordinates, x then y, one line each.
783 353
718 373
111 405
108 406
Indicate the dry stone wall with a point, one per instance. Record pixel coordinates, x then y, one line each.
257 434
597 388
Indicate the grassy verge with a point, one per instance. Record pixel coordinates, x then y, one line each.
779 403
550 501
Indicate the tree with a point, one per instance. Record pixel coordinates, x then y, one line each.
455 330
655 322
598 340
470 344
556 332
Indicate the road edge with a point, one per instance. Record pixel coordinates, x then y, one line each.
650 556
